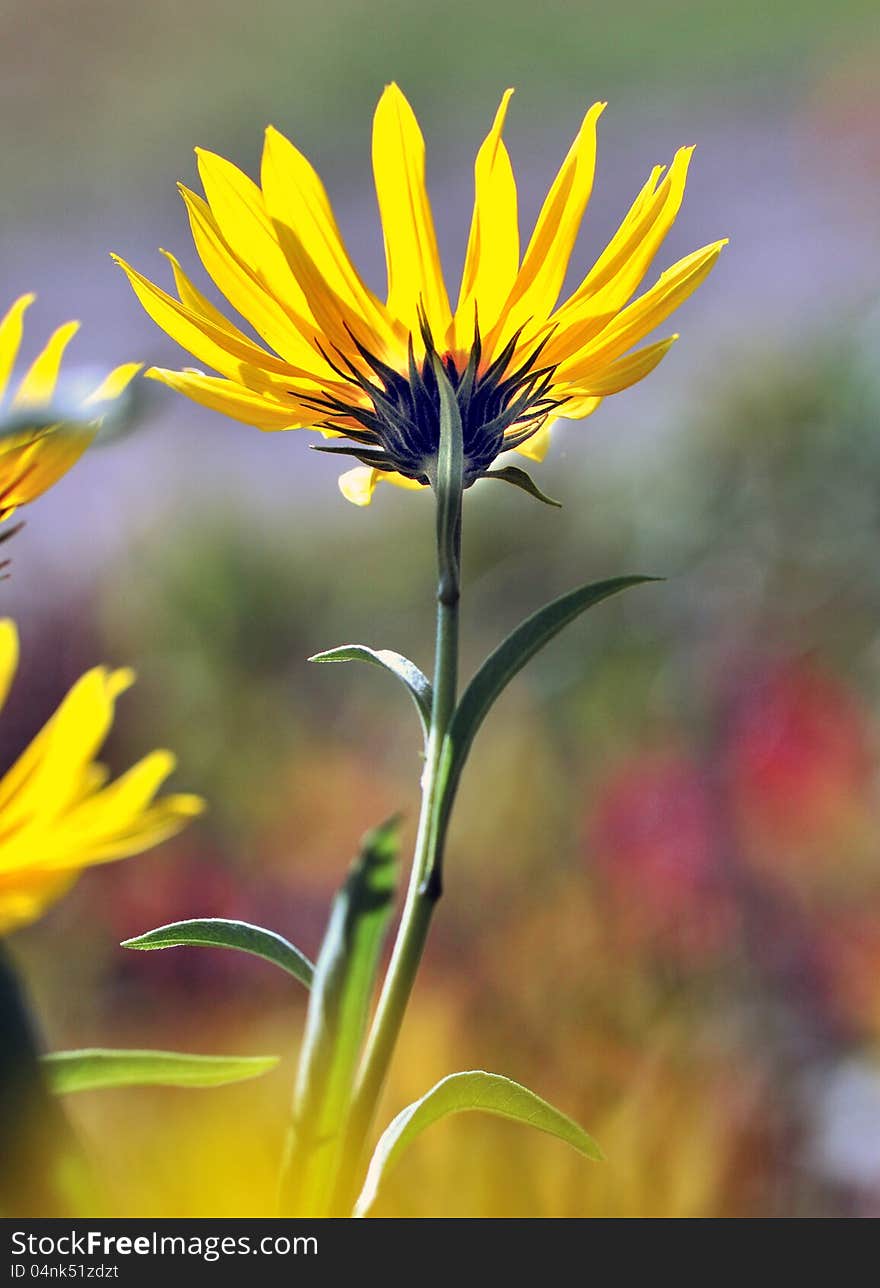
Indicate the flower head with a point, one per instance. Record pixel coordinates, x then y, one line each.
58 812
333 356
41 434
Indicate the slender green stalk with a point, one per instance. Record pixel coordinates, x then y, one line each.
425 884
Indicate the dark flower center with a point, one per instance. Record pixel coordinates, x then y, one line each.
499 408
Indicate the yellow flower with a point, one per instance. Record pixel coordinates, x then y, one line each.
58 812
39 438
337 358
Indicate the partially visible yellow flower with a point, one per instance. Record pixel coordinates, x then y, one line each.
58 811
333 356
40 438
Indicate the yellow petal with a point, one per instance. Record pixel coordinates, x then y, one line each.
114 384
641 317
536 447
287 331
492 256
26 895
629 254
192 298
540 278
304 224
623 264
31 464
359 484
8 657
622 373
38 385
165 818
415 275
237 205
102 824
579 408
11 329
57 813
233 399
48 774
219 348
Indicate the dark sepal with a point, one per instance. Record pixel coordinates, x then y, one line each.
5 536
378 460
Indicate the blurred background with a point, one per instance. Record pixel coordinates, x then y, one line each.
663 898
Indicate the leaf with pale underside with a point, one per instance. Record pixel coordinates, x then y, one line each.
469 1092
219 932
417 684
98 1067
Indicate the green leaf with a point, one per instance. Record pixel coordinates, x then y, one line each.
416 681
96 1067
462 1092
342 991
217 932
500 668
522 479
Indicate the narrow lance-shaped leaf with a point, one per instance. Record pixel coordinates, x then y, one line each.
218 932
96 1067
462 1092
522 479
450 480
500 668
342 990
417 683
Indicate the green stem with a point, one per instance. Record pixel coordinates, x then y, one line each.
425 884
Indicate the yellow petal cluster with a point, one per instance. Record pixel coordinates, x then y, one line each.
275 252
39 442
59 813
